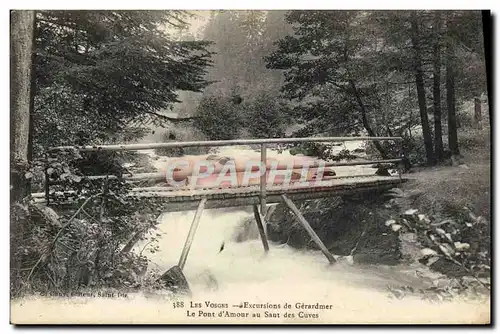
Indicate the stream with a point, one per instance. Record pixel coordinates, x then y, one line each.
242 272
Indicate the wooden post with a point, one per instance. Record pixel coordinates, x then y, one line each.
308 228
263 160
192 232
260 226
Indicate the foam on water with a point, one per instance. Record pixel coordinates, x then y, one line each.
243 272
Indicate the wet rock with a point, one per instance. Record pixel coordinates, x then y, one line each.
410 248
449 268
175 281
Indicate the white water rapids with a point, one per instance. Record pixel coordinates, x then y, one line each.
242 272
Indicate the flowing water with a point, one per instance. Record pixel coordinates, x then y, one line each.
242 272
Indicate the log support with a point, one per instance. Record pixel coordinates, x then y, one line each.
260 226
263 179
192 232
309 229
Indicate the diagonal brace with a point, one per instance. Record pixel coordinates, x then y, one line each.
260 226
308 228
192 232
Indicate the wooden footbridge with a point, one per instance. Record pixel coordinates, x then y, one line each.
257 195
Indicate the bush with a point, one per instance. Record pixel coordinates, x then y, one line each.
265 117
412 147
88 243
218 117
474 141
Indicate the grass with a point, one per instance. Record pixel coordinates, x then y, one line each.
445 190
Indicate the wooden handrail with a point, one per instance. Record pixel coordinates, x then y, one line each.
161 176
135 147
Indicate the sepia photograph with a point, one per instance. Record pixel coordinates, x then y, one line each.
241 167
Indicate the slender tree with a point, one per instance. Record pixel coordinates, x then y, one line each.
436 87
420 85
450 92
451 108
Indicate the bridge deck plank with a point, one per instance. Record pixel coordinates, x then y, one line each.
175 199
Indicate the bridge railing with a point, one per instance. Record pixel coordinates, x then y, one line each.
264 145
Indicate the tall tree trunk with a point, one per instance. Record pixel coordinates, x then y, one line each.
487 36
32 101
450 106
366 123
21 46
450 99
32 93
419 78
436 89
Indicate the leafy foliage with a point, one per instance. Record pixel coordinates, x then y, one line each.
90 244
218 117
118 67
354 71
332 70
266 116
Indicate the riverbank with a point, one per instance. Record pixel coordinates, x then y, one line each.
357 228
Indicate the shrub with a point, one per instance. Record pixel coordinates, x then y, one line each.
265 117
218 117
88 243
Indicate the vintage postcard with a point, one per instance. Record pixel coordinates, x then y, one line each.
250 167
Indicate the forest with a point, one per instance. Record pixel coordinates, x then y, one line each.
104 77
